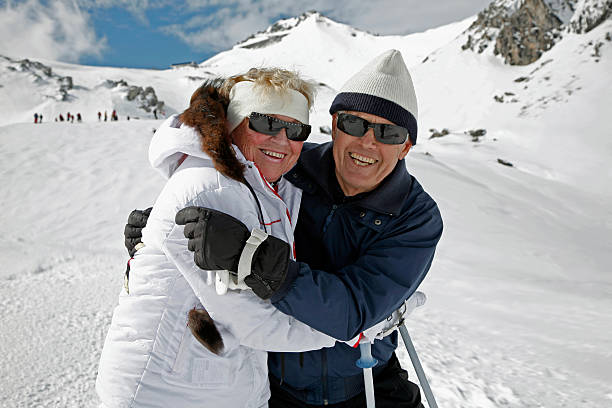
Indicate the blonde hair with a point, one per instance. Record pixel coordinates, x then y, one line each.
273 80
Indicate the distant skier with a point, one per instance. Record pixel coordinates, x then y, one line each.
40 118
36 118
105 116
79 118
155 113
99 116
71 118
114 115
61 118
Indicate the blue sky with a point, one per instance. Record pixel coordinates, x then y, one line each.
157 33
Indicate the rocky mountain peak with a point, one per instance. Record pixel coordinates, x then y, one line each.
279 29
520 31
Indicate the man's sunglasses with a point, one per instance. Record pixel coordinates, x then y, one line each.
269 125
384 133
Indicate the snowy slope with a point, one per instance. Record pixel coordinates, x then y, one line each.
519 294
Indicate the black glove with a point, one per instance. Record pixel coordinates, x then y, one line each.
133 229
217 240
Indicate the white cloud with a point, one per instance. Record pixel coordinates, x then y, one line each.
57 31
224 23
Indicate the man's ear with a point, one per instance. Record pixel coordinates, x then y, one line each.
334 128
405 150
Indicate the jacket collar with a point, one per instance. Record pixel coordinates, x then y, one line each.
317 163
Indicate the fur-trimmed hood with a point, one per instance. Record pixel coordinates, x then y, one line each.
199 131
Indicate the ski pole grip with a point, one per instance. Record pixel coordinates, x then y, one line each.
366 360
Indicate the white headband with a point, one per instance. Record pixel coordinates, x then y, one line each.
245 98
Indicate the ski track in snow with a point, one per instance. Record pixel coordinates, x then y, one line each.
54 321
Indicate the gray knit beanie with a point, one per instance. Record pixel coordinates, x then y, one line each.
382 88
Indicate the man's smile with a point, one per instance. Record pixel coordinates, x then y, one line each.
362 160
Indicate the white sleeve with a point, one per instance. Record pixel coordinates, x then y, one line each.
255 322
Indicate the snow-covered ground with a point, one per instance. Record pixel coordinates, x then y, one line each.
520 292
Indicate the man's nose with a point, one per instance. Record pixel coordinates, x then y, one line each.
368 140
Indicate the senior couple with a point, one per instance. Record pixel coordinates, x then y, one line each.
264 262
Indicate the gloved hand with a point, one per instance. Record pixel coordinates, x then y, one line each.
133 229
391 323
218 240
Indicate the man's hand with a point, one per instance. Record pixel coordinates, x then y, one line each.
218 240
133 229
397 318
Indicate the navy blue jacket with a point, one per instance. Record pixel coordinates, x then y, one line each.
358 259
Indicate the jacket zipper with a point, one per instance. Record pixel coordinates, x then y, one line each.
329 217
324 376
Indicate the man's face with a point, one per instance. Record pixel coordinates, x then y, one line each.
363 162
274 155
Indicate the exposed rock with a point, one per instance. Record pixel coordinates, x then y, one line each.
505 163
476 132
43 75
530 31
277 31
596 49
435 133
325 130
189 64
504 97
195 78
265 42
589 14
522 79
519 30
278 27
145 97
112 84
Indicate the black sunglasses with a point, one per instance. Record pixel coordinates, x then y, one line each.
384 133
269 125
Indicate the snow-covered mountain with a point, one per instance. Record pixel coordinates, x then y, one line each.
517 156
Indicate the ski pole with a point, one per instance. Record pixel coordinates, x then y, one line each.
366 361
431 401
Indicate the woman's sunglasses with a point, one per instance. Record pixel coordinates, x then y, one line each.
384 133
269 125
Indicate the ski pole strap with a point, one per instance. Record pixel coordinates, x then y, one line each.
246 257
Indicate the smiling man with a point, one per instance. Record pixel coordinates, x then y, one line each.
365 238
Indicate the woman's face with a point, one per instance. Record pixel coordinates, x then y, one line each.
274 155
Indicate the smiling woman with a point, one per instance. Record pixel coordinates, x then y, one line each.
150 357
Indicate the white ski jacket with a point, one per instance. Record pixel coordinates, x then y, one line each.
150 357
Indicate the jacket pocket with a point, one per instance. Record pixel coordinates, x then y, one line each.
194 365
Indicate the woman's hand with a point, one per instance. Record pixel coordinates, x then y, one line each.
218 241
